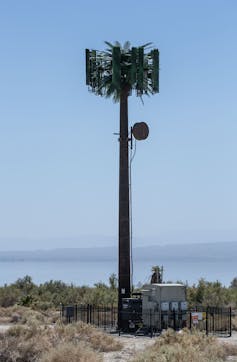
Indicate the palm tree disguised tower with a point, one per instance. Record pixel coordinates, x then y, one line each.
116 72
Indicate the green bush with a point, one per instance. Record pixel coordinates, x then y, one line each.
210 294
53 293
9 296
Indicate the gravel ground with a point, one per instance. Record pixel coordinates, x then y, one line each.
230 340
4 327
131 345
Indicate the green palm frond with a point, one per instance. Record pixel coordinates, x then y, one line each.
146 45
117 44
109 44
116 68
127 45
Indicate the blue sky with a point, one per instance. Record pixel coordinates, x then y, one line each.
58 154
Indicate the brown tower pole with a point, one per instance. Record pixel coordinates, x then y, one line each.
124 287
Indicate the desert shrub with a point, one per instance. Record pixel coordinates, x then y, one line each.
70 353
24 315
184 346
97 339
9 296
35 341
22 344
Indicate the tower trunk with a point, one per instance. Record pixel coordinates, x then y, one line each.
124 287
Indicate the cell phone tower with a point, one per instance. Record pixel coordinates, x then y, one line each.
116 72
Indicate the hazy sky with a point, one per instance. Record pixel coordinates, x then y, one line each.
58 154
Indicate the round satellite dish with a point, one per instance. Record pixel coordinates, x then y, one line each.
140 131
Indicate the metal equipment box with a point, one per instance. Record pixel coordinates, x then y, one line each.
160 299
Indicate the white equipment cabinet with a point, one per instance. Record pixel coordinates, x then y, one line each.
158 299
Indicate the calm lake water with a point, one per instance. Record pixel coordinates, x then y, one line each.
88 273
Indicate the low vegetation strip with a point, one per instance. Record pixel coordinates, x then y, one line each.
52 293
185 346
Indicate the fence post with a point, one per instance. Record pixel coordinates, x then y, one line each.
119 319
98 316
213 321
111 316
151 323
174 319
83 313
87 313
61 310
91 314
207 321
105 318
75 313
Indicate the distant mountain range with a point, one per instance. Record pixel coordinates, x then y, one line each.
192 252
